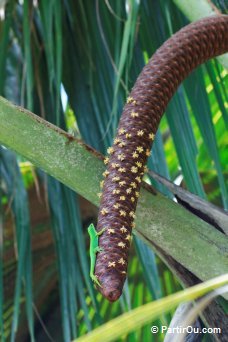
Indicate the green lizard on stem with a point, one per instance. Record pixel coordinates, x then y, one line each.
93 250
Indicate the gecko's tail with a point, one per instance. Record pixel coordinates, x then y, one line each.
95 280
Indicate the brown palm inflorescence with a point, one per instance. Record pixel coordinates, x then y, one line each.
173 61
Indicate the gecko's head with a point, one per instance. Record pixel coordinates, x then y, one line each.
91 228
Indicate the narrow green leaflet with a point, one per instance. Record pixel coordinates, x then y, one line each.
195 89
1 260
4 43
17 193
27 53
134 319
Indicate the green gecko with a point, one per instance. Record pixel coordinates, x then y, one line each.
93 250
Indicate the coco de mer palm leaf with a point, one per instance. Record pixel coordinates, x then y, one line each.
173 61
